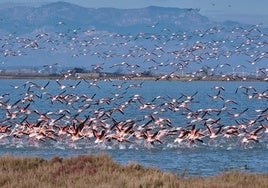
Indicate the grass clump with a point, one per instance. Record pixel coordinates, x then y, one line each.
102 171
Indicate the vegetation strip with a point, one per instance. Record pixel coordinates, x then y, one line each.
101 171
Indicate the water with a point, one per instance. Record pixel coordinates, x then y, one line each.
203 159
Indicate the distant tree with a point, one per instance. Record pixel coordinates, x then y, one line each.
118 71
78 70
96 70
147 73
204 71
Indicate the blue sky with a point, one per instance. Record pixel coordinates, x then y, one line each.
245 11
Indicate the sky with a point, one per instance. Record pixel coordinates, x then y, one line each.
244 11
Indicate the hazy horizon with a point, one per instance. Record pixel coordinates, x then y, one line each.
249 13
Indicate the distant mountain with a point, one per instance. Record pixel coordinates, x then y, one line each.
24 19
71 35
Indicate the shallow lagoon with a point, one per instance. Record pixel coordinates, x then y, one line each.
202 159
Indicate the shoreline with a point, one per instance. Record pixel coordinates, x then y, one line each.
100 170
143 78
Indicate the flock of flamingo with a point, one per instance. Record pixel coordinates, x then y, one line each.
70 112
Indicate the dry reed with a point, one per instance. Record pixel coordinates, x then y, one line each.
102 171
